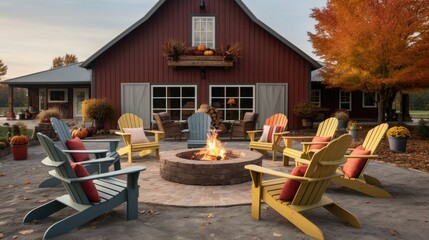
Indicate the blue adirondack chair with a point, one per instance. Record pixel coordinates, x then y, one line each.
112 191
199 125
63 134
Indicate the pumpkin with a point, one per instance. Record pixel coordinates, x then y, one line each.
80 133
208 53
201 48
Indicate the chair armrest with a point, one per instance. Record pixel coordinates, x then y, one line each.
259 169
98 151
314 143
362 156
123 134
126 171
302 161
252 134
96 161
101 140
298 137
154 131
255 131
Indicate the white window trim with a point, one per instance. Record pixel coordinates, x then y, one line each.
238 108
319 103
363 101
66 95
166 97
214 29
350 103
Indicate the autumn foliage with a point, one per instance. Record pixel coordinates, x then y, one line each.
373 45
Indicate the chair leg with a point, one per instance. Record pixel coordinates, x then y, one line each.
130 157
43 211
360 186
274 155
132 196
285 160
343 214
302 223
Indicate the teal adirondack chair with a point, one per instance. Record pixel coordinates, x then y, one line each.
112 191
199 125
63 134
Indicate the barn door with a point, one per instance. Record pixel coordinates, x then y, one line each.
271 98
135 98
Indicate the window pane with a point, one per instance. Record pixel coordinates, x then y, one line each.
188 92
232 91
246 92
188 103
218 92
246 103
175 114
173 103
218 102
231 115
174 92
159 103
159 92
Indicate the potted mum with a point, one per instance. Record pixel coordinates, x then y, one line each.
98 109
19 147
306 112
342 117
352 128
397 137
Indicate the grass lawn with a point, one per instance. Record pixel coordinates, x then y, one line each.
3 132
419 113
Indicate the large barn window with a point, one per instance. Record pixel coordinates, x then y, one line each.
315 97
345 100
233 101
368 100
203 31
177 100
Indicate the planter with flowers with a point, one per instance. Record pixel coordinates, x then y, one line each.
19 147
306 112
342 117
397 137
353 127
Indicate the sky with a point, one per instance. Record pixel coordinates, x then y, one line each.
34 32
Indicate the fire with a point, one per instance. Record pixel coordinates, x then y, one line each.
214 149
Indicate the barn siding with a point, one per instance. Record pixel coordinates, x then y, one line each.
138 56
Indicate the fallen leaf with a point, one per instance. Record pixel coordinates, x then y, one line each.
27 182
143 211
26 188
277 234
203 225
15 237
25 232
393 232
42 200
211 215
45 195
27 198
185 216
157 213
150 211
1 175
367 202
212 234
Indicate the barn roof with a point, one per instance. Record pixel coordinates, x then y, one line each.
69 74
89 61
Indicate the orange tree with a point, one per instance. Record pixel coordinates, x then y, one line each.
373 45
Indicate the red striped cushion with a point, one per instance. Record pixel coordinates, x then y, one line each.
268 133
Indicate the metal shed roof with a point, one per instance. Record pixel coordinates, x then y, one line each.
69 74
89 61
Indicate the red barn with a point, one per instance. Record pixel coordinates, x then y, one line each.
270 76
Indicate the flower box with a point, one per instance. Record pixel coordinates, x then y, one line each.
200 61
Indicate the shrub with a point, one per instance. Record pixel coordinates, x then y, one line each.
421 130
2 145
304 110
353 125
341 115
97 109
22 127
19 140
45 115
5 141
398 131
15 130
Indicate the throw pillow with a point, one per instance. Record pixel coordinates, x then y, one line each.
76 144
353 167
291 186
87 186
137 135
319 139
268 133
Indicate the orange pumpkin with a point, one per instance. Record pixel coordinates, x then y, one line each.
208 53
201 48
80 133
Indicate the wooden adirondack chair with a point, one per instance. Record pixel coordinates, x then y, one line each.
112 191
129 120
199 125
248 123
310 193
171 129
278 119
326 128
365 183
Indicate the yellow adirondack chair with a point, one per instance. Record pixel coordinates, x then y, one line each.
326 128
278 119
129 120
310 193
365 183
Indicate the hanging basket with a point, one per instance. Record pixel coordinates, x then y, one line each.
19 152
398 144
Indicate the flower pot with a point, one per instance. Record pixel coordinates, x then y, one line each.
354 134
307 123
398 144
342 124
19 152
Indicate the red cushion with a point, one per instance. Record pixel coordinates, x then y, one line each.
87 186
319 139
291 186
268 133
353 167
76 144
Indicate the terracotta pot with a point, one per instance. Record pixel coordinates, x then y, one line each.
19 152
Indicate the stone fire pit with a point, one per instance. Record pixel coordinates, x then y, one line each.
177 166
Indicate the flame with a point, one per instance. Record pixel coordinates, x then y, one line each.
214 149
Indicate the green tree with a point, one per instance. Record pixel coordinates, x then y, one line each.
3 69
62 61
374 45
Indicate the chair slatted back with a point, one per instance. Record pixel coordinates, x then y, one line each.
324 164
374 136
158 121
199 125
62 130
129 120
327 128
278 119
63 169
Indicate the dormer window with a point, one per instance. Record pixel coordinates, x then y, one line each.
203 31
